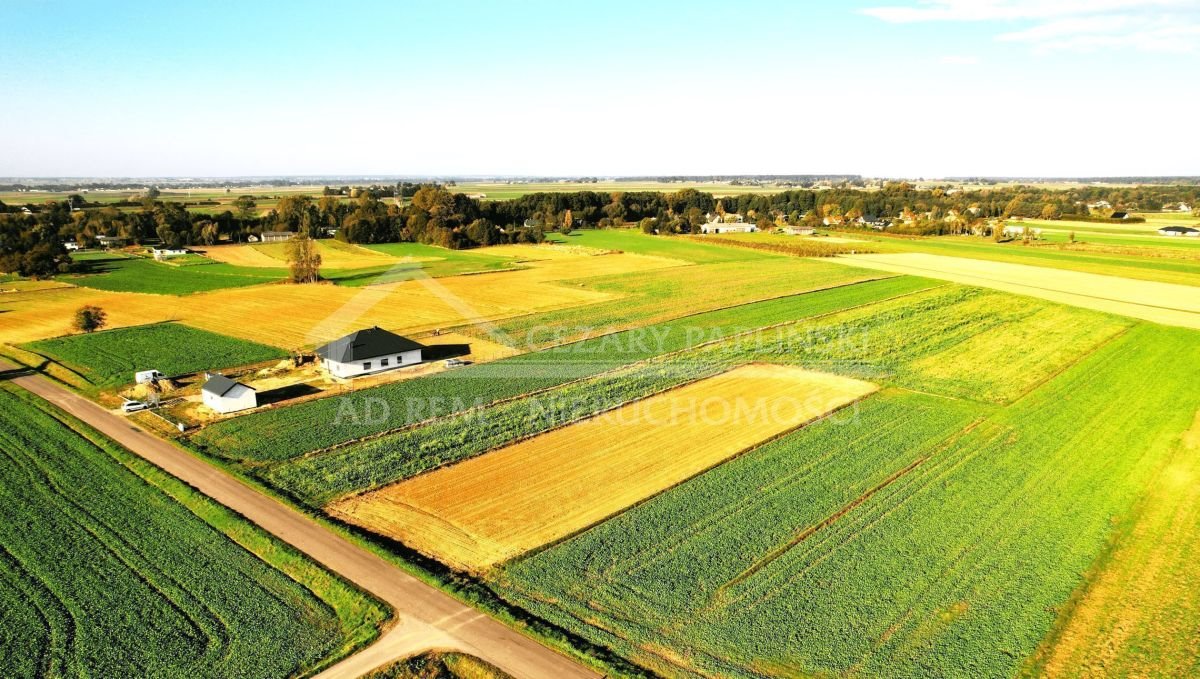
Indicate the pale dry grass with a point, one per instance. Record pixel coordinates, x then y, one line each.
494 507
1165 303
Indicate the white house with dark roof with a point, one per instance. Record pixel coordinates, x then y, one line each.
227 396
368 351
1179 231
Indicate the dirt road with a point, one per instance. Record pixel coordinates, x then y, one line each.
427 617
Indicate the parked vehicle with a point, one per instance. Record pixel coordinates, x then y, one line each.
147 376
133 406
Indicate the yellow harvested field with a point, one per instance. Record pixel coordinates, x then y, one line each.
41 313
481 349
1165 303
240 255
493 507
540 251
296 316
32 286
334 255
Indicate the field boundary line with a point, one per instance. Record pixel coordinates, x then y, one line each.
720 370
740 453
1030 286
726 307
623 366
828 521
1079 359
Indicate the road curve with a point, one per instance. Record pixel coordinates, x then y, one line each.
427 617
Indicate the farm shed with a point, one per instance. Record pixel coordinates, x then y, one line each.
110 241
227 396
1178 231
368 351
164 253
1120 215
799 230
277 236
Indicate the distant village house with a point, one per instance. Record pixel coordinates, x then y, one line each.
1179 231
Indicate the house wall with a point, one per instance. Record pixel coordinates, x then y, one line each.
238 398
400 360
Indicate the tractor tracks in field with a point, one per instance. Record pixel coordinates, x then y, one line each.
721 592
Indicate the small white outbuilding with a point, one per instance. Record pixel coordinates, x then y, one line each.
227 396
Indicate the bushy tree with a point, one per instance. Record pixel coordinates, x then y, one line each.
90 318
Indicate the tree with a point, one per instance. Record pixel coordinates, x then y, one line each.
245 207
303 259
90 318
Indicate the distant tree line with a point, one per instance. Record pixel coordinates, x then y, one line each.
31 243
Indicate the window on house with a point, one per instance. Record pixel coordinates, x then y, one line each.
366 365
383 363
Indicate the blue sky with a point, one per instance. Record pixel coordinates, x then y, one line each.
886 88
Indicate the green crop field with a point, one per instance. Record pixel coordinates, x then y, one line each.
281 434
111 568
110 358
875 341
902 541
660 295
119 273
1150 268
631 240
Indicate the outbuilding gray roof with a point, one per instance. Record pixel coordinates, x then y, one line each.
365 345
219 385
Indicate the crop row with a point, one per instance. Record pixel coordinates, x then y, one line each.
796 557
105 574
885 342
111 357
288 432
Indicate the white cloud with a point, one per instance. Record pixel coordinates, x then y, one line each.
959 60
1075 25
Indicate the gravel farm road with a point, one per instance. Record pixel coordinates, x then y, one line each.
427 618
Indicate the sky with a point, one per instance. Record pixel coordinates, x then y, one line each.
881 88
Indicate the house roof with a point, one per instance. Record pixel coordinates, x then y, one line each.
1178 229
1120 215
363 345
219 385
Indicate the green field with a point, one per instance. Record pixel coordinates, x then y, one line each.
1163 270
631 240
450 263
276 435
111 568
901 542
877 341
110 358
119 273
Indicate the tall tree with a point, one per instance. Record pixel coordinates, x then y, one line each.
303 259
